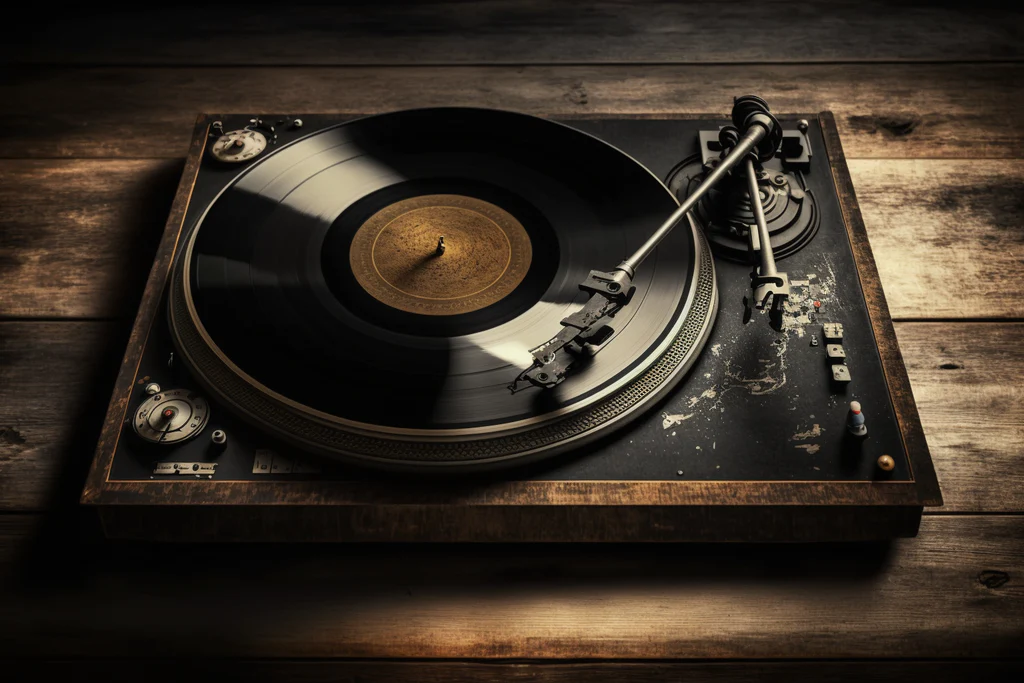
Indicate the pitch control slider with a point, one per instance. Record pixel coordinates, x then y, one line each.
610 291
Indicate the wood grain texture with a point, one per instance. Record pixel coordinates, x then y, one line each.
57 377
55 381
890 110
359 671
79 235
931 266
955 591
967 382
78 232
517 32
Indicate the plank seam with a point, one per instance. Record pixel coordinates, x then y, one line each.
498 662
509 65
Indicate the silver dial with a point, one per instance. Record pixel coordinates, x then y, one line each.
238 145
171 417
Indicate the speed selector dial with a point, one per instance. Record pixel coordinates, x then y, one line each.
171 417
239 145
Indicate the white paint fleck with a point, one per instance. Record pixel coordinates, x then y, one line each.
774 373
812 433
670 421
716 350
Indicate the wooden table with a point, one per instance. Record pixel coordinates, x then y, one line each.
95 114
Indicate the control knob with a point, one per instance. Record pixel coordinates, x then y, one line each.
238 146
171 417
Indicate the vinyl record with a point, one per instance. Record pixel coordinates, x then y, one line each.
369 291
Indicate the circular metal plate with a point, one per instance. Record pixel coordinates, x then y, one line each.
238 146
440 254
171 417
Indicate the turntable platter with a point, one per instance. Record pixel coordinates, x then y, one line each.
316 299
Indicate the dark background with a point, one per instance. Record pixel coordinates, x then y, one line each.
96 109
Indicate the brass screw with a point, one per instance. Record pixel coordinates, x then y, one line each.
886 463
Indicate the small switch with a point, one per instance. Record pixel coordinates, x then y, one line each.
833 331
835 353
261 464
840 373
855 420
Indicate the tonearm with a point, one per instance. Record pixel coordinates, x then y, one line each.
753 138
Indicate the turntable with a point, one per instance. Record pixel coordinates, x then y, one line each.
459 324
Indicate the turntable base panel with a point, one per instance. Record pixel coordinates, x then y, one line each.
752 444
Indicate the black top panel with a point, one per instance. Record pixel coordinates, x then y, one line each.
759 404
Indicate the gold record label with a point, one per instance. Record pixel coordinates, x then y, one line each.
440 254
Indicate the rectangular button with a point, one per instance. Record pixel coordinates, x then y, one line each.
835 353
262 463
840 373
833 332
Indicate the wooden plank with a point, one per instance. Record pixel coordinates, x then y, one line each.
891 110
954 591
154 671
80 235
966 378
532 31
923 222
55 382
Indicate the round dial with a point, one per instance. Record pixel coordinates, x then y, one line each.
238 146
171 417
